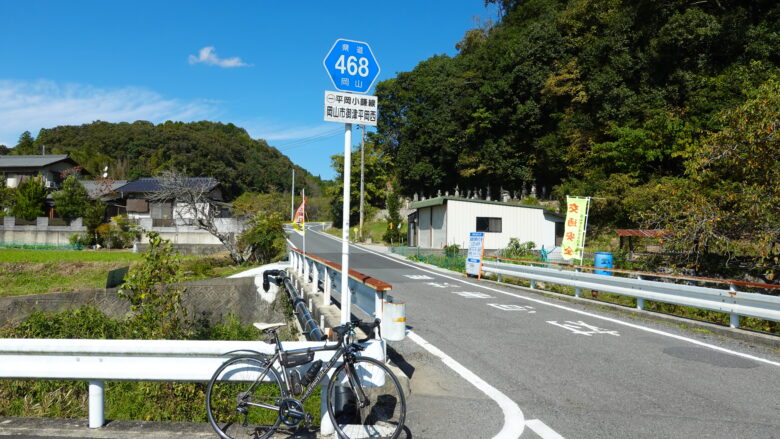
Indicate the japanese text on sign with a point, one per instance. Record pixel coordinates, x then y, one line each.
350 108
574 228
474 257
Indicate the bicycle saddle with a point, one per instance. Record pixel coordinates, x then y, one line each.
268 326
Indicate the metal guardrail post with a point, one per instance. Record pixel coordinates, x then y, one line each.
640 302
533 284
577 290
500 277
733 318
96 405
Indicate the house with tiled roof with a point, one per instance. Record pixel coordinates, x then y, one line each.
14 169
142 201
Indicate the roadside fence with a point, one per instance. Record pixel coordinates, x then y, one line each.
640 286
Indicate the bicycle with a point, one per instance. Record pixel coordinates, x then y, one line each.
250 396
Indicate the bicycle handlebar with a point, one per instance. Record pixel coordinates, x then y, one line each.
345 329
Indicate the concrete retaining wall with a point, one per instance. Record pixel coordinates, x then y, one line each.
213 299
39 234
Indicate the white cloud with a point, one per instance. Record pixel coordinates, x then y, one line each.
30 106
208 56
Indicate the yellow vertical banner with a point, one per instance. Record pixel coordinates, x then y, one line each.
573 243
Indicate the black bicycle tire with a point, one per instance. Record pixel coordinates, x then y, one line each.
389 373
261 364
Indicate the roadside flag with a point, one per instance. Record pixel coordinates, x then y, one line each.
573 243
298 221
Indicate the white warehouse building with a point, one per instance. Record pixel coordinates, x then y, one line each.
442 221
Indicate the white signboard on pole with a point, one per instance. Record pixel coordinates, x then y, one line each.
474 256
350 108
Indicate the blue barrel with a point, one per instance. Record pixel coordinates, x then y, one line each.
603 260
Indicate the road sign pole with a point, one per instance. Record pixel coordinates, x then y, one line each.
346 299
362 160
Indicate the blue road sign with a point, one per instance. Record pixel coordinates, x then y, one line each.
351 66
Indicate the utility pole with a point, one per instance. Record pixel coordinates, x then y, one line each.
292 198
362 161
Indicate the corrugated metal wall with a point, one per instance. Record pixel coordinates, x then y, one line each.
424 235
525 224
439 226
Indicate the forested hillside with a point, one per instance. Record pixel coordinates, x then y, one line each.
664 109
203 149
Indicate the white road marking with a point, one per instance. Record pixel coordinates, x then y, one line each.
439 285
418 276
580 328
472 295
542 429
512 307
514 421
585 313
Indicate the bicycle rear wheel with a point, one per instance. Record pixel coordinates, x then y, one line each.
242 399
365 400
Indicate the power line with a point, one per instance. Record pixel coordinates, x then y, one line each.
308 140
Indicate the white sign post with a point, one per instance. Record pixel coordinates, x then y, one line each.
474 256
352 68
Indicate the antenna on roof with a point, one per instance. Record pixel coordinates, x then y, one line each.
43 149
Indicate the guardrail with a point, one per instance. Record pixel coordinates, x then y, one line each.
735 303
368 293
97 361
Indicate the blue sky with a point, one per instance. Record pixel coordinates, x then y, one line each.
257 64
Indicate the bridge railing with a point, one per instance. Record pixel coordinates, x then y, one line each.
97 361
367 293
733 302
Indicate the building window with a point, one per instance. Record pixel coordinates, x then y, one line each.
490 225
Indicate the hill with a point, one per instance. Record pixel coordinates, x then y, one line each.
204 149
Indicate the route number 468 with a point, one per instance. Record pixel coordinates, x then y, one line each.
353 65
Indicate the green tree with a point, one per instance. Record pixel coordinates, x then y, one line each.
7 198
30 198
376 169
154 297
25 143
725 215
394 220
73 200
264 240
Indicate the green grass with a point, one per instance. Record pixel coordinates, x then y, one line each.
373 230
49 271
21 255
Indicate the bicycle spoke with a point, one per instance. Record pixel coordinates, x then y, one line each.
383 409
239 404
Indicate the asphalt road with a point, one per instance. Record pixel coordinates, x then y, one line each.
566 370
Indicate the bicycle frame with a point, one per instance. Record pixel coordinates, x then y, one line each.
285 377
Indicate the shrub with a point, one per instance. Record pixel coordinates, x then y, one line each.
264 240
452 250
517 250
154 298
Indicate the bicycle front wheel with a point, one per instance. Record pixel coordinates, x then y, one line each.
365 400
242 399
